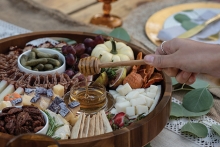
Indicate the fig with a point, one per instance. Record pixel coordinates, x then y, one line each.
118 80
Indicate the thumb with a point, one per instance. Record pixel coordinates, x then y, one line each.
159 61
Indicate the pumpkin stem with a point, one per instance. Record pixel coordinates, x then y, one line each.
113 51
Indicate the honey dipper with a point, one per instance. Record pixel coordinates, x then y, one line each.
91 65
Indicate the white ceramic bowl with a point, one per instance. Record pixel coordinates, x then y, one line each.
61 69
45 128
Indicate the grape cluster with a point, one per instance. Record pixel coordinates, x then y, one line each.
73 53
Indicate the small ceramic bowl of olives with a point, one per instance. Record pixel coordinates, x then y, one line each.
42 61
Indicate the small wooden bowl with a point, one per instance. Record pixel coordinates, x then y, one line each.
136 135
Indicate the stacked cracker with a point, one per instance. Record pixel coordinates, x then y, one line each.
87 126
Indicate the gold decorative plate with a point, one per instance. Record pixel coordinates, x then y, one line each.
155 23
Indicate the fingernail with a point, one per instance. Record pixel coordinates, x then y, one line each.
186 75
149 59
192 79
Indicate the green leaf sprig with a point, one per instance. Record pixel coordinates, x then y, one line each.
53 126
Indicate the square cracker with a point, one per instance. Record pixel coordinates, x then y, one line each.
86 126
97 125
82 125
101 125
106 124
76 128
91 131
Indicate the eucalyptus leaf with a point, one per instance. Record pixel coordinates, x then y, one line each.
216 128
198 100
196 129
197 84
179 111
120 33
181 17
187 25
71 42
100 32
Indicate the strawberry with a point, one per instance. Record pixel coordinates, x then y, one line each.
121 119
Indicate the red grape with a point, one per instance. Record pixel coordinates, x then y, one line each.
80 49
64 49
89 42
89 50
84 55
99 39
70 59
70 73
71 50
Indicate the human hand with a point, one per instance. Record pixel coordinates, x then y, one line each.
184 59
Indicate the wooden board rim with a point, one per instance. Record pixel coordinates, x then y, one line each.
123 137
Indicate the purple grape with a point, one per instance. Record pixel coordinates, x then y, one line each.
80 49
89 50
70 59
99 39
70 73
71 50
64 49
89 42
84 55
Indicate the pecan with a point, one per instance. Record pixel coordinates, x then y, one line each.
14 110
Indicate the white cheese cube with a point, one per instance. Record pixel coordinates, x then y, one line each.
149 101
140 90
125 89
130 111
121 107
133 102
147 89
112 92
131 95
153 88
145 94
119 87
113 111
120 99
120 96
151 95
116 95
142 95
141 109
140 101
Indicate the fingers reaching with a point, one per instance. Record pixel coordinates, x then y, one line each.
186 77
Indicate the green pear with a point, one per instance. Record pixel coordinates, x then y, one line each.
102 79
